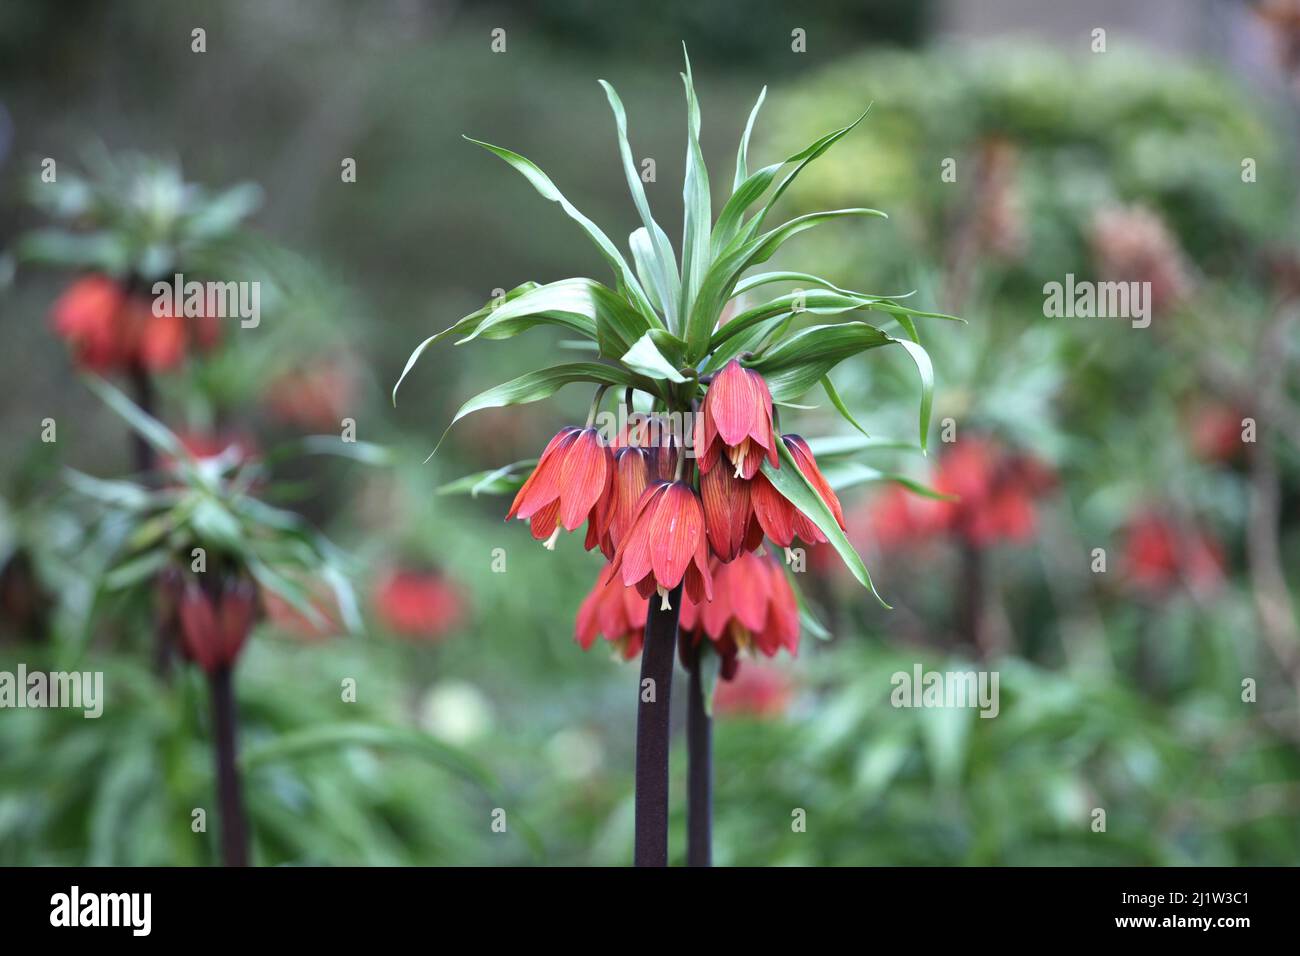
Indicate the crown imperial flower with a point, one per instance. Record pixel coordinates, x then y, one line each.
215 622
666 544
736 417
572 476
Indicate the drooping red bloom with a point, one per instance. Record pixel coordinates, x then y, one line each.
1160 553
615 612
1216 431
782 521
417 604
736 418
317 395
110 329
753 607
633 467
575 472
293 622
215 621
996 491
666 544
897 518
729 513
756 691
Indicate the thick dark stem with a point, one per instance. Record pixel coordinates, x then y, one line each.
234 827
142 385
652 732
699 771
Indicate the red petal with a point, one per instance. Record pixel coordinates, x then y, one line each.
774 512
542 486
583 476
676 531
732 404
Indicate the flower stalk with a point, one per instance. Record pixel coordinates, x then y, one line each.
651 846
230 800
699 768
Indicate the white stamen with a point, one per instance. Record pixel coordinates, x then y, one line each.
549 543
663 600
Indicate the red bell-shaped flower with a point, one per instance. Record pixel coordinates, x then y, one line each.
666 544
574 473
782 521
729 513
753 606
615 612
215 621
736 417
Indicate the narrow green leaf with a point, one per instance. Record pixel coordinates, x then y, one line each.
567 303
925 369
821 146
838 446
465 324
542 183
543 383
661 265
795 488
849 474
145 425
698 210
727 269
645 358
796 364
838 402
497 481
742 152
752 188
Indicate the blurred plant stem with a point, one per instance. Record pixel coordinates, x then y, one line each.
699 769
230 800
145 397
1264 553
651 848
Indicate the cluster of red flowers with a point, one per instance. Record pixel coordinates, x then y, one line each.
1161 553
111 328
995 492
660 528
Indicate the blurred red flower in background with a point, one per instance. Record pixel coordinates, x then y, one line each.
1160 553
757 691
315 396
1216 432
110 329
288 619
997 492
1133 244
417 603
